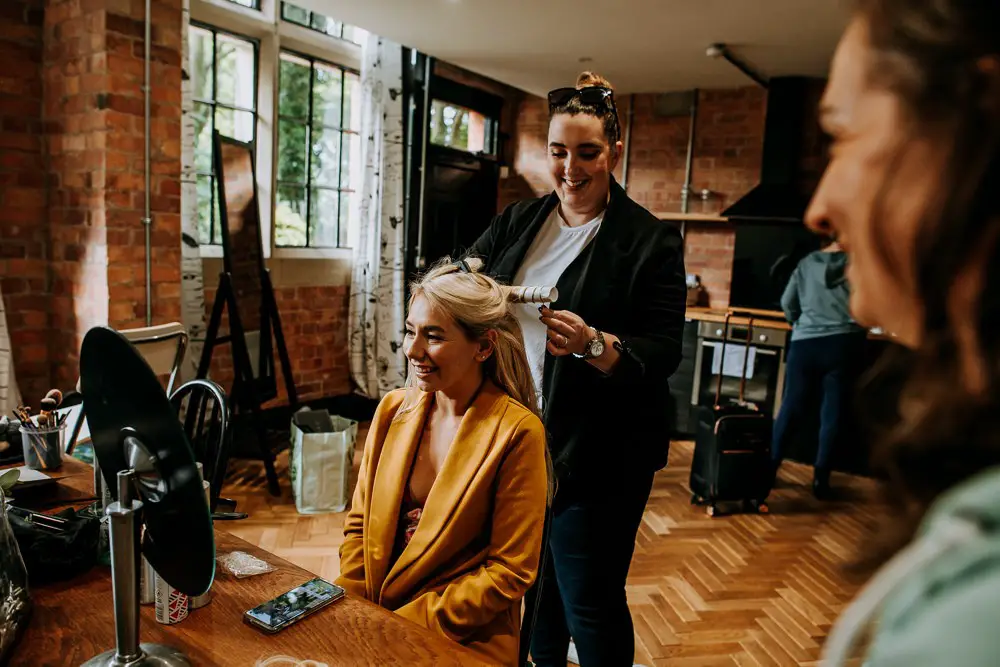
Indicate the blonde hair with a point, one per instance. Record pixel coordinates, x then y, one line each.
479 304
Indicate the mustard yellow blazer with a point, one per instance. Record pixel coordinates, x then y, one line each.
475 552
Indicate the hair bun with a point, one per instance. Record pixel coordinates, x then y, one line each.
475 264
588 79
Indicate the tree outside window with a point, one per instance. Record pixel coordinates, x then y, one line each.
319 153
223 70
455 126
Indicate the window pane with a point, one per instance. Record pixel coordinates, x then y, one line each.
323 222
347 210
294 14
252 4
326 95
290 217
292 148
457 127
202 117
236 124
325 165
235 77
200 56
352 102
350 161
205 185
293 87
325 24
352 33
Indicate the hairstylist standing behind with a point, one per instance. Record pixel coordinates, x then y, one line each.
600 358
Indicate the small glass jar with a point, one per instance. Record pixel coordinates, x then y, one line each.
44 446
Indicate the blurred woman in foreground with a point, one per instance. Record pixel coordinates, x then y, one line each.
912 193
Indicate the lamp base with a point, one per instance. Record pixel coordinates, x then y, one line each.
151 655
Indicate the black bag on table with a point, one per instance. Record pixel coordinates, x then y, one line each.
732 449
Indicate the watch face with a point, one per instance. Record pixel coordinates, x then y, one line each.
596 348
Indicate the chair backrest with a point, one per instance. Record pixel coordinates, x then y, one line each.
162 346
204 412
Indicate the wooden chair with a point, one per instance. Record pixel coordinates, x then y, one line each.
162 346
203 409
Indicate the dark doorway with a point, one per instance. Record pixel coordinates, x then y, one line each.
461 199
461 171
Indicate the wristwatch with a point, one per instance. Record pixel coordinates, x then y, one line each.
595 347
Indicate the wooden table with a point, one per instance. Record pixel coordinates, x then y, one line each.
74 487
74 621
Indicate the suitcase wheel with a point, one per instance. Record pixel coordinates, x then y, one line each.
756 506
711 510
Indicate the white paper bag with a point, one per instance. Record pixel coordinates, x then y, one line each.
321 459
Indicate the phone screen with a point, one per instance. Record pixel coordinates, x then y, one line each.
295 604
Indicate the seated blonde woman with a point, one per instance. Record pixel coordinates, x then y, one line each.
446 523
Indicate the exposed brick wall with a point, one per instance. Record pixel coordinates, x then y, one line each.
529 175
76 71
729 137
24 244
315 323
71 176
124 184
708 253
728 140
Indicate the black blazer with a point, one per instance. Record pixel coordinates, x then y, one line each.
630 282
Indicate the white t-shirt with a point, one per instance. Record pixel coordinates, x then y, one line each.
555 247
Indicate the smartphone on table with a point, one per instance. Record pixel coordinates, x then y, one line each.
293 606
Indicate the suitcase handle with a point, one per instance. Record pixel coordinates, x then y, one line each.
722 353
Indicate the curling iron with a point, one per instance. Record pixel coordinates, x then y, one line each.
525 294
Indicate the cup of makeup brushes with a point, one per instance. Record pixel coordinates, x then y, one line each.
43 445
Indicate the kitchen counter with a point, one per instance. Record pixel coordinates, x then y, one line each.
772 319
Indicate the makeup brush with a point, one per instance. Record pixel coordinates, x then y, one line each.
48 405
34 437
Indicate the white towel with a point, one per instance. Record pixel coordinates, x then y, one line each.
733 363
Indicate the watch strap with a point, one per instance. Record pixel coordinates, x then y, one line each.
588 352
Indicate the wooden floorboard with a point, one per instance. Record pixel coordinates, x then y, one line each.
734 590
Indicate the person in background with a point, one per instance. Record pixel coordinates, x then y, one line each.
825 354
912 193
601 357
446 523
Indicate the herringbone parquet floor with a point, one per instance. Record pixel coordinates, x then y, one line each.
732 590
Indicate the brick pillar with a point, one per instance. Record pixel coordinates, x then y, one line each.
23 228
93 70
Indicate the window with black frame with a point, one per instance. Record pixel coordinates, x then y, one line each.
462 128
321 23
250 4
223 69
319 153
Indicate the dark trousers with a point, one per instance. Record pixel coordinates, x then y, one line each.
827 366
591 540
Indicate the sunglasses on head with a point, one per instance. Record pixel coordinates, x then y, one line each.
595 96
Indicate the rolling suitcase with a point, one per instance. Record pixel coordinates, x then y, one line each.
732 451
